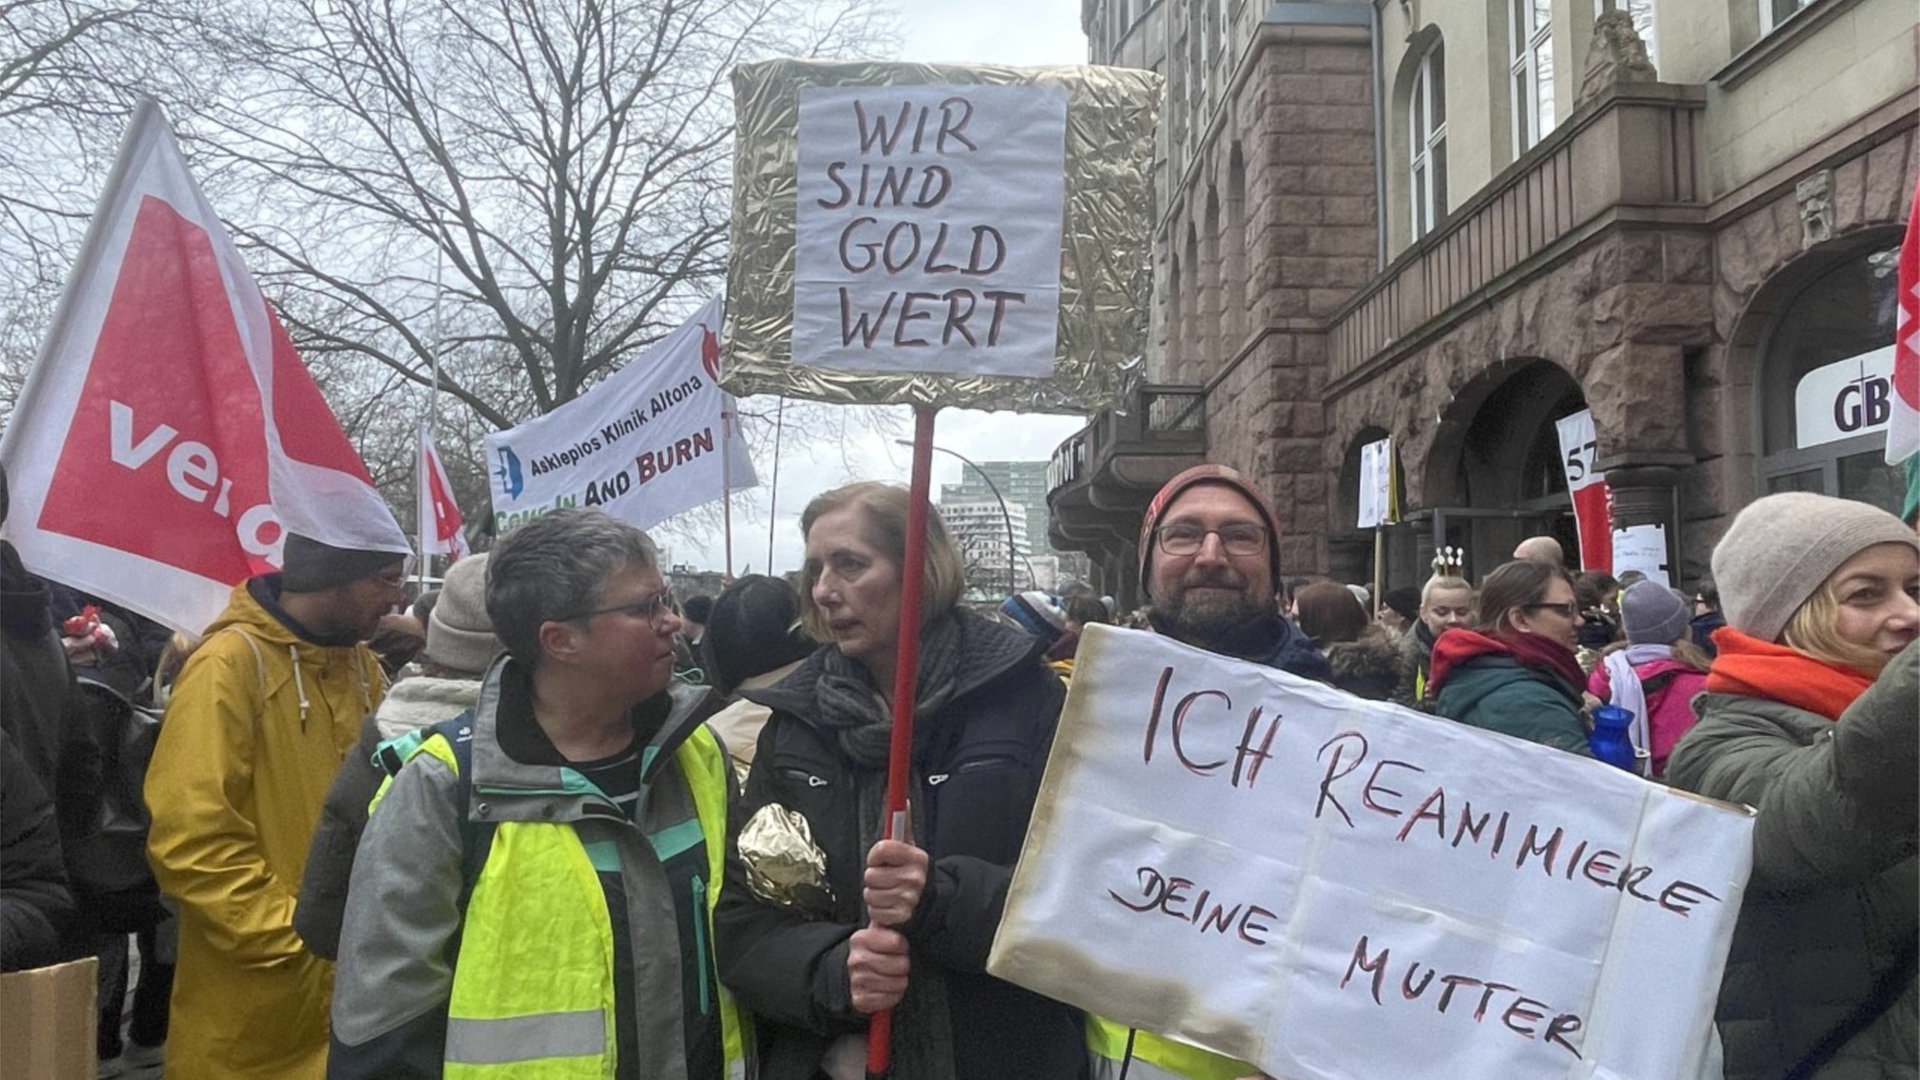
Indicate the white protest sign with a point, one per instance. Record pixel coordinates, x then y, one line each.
1642 548
643 445
927 228
1336 889
1843 399
1376 483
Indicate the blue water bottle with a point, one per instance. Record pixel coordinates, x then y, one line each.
1609 740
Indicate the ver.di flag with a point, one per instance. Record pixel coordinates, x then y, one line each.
440 521
168 435
1903 423
645 444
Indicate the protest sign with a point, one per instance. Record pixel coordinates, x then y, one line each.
928 229
168 435
940 235
1337 889
1592 502
643 445
1376 485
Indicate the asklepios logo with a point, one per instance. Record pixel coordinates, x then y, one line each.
187 451
508 473
709 353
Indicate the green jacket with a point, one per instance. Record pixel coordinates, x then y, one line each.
1835 891
1498 693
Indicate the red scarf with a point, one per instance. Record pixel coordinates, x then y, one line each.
1535 651
1754 668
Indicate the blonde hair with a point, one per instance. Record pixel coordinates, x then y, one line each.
1815 631
883 515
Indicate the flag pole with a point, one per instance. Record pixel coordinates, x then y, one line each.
905 676
726 485
773 489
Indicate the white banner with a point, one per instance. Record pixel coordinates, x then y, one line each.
168 435
927 231
1376 484
1338 889
643 445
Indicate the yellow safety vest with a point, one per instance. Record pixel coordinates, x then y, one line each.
499 1025
1154 1057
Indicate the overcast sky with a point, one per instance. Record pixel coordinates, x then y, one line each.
1019 32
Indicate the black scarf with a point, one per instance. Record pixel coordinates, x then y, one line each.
847 703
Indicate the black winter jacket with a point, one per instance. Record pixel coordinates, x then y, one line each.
35 905
977 768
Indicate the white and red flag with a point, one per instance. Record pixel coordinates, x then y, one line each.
1903 421
168 435
440 520
1592 500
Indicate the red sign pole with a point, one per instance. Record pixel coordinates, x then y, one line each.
905 672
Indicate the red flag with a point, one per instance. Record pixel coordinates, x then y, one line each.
1903 422
440 520
168 435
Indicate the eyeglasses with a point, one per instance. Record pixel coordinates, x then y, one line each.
1239 538
655 609
1567 609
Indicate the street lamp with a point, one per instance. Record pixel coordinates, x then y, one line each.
1005 514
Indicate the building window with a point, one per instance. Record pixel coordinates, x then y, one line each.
1826 367
1427 129
1530 29
1775 12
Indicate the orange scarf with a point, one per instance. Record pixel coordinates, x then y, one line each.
1754 668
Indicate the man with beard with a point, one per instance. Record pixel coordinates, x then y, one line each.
1210 565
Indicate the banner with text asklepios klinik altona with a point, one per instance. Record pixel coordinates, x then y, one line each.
1339 889
645 444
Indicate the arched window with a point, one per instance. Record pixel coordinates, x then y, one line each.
1530 34
1826 365
1427 138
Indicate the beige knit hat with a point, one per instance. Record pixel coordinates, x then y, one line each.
459 633
1782 548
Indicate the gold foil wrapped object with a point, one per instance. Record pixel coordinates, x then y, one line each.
1105 278
784 866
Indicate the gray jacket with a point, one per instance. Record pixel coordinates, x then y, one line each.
1835 892
395 975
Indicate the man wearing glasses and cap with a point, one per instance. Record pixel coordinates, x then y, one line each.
260 718
1210 566
533 891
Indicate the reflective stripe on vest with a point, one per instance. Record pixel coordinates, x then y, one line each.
1154 1057
520 1038
492 1021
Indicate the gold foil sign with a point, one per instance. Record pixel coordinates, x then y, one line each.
784 865
974 237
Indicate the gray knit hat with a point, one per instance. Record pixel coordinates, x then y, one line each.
459 633
1653 614
1782 548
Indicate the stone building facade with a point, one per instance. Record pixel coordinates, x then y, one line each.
1455 223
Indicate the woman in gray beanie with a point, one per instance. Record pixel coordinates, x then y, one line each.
460 647
1655 674
1812 717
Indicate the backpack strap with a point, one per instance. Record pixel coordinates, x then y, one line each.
476 837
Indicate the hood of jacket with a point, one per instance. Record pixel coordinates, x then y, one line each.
1374 655
988 650
254 606
422 700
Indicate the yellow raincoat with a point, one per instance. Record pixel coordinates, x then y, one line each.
259 720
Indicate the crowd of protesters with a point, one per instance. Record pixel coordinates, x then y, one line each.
553 822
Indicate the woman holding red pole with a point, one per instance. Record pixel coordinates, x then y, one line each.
884 924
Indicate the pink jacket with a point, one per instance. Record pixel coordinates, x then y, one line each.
1669 702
